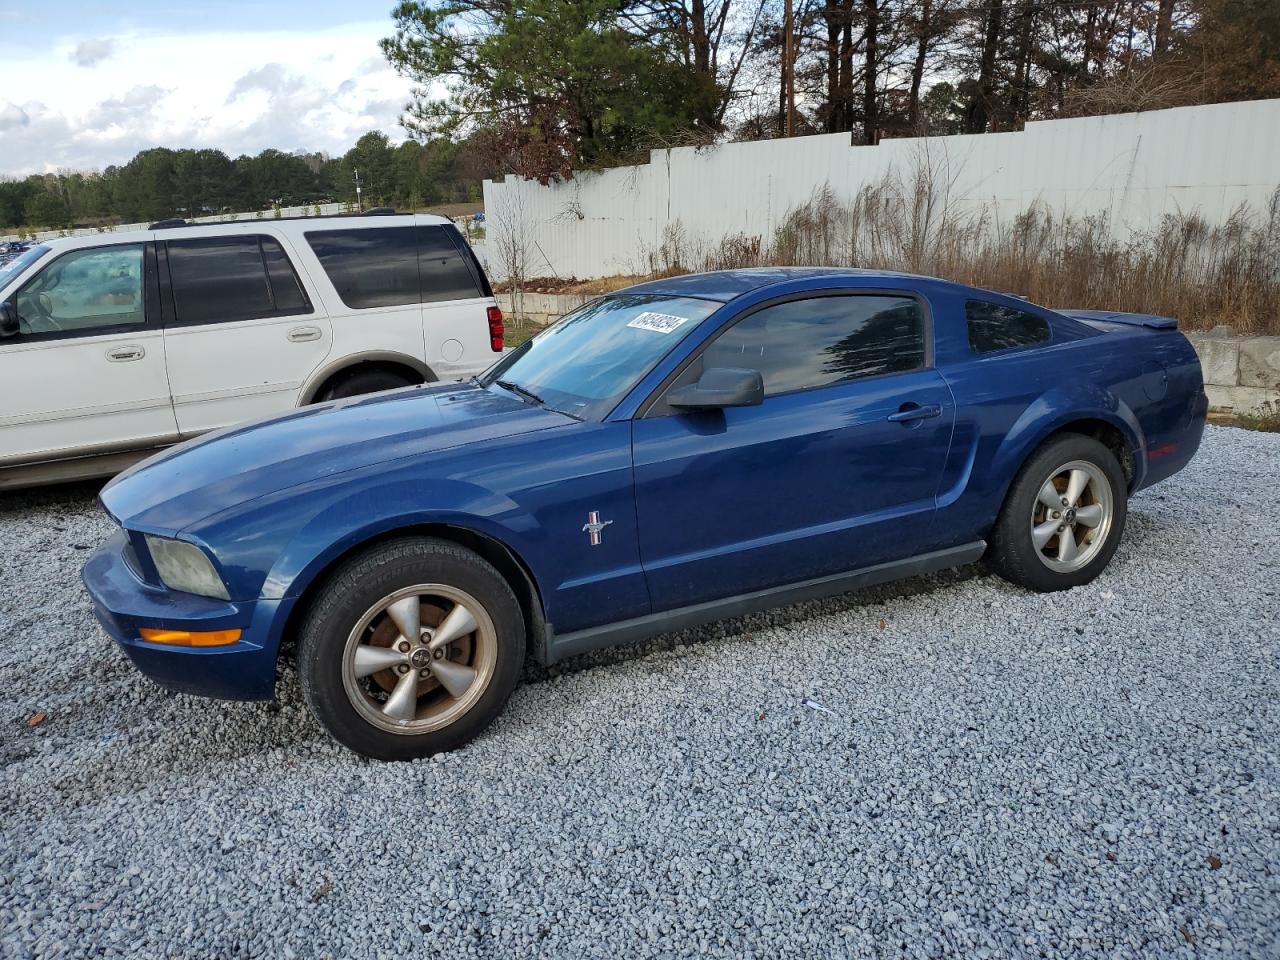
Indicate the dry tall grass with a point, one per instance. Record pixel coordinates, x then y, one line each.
1203 275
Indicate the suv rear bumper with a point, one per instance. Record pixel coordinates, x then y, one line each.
124 605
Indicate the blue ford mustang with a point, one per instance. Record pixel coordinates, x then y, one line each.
683 450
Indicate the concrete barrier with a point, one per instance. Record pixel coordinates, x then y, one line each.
540 309
1241 374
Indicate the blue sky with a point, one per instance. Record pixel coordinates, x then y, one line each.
89 84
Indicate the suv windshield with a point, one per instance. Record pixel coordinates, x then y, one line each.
13 262
586 363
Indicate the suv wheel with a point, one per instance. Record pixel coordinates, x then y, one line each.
410 649
362 382
1063 517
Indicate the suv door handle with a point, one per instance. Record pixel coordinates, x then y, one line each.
126 353
911 411
304 334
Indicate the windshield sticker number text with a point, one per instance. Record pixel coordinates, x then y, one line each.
657 322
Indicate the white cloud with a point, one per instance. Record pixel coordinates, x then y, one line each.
12 116
89 53
239 92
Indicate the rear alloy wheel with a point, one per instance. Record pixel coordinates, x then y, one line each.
1071 518
410 649
1063 517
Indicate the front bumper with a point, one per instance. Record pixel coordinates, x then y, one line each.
124 604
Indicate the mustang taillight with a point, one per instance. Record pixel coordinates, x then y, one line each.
496 329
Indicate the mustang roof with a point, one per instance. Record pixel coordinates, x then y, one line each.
724 285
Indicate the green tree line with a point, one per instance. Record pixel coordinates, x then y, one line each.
161 182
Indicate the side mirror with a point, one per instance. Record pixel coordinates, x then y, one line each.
720 387
9 325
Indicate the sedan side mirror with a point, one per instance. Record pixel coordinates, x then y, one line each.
720 387
9 325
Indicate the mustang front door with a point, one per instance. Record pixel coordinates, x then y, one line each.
837 469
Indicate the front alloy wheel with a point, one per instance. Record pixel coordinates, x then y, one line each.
410 648
419 659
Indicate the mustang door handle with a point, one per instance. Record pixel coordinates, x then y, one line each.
303 334
125 354
913 411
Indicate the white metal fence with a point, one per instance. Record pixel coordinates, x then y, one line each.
1133 168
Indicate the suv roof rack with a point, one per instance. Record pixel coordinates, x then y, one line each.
175 222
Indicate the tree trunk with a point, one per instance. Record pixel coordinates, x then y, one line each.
979 113
1090 39
1164 27
870 115
834 113
1022 96
917 68
782 92
701 41
846 71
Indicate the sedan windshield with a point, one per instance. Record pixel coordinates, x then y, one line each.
585 364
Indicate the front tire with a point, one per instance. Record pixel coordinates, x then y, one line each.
410 648
1063 517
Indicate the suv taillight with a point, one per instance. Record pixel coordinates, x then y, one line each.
496 330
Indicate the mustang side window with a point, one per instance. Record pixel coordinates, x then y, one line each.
803 344
85 290
993 327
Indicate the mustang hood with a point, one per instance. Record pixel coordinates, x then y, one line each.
198 478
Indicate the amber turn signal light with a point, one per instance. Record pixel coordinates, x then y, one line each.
191 638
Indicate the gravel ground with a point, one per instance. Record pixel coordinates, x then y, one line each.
995 774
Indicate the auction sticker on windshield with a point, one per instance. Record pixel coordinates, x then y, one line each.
657 322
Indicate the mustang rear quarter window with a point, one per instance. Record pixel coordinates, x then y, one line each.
994 327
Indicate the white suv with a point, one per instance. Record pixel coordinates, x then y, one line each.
114 345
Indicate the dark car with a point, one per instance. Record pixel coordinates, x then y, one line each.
680 451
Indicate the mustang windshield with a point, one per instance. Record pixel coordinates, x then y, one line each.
586 363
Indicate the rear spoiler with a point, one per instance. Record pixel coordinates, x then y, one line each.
1128 319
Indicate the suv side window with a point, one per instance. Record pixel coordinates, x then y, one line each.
371 266
445 274
993 327
818 342
225 279
93 290
286 288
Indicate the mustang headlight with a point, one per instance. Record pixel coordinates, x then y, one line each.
184 566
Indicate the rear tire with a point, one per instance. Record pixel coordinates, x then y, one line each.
1063 517
366 662
361 382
